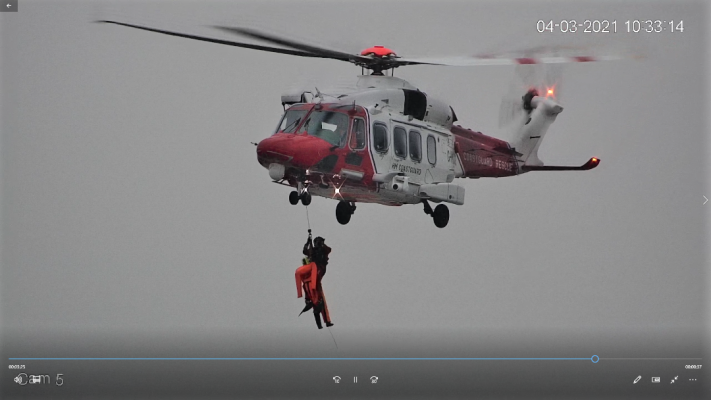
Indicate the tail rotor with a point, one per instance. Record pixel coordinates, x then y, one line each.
530 80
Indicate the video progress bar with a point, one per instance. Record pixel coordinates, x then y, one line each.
594 359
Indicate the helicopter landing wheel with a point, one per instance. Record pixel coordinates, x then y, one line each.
294 198
440 215
344 210
306 198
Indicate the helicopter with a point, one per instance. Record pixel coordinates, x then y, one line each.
386 141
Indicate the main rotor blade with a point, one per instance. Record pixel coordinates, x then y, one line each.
220 41
323 52
551 54
480 61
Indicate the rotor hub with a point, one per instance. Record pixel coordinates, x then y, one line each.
378 51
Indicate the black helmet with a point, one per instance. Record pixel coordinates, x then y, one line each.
318 241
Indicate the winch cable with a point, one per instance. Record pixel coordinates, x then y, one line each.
307 218
334 339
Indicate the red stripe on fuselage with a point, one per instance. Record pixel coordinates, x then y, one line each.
482 155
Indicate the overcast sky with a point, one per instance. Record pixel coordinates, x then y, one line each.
132 197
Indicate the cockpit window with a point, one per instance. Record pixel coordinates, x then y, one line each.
290 120
327 125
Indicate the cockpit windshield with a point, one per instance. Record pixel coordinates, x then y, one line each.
327 125
290 120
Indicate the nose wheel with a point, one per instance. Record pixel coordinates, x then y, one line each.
440 215
344 210
305 198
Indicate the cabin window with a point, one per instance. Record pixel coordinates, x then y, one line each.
291 120
400 142
380 138
431 150
327 125
358 134
415 146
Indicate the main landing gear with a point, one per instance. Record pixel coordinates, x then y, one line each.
344 210
440 215
305 198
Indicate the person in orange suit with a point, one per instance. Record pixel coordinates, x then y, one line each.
309 278
306 278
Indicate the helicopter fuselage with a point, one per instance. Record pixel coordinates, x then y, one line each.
391 145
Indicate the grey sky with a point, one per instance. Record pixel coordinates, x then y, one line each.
132 198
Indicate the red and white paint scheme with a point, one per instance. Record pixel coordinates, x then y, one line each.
387 142
391 144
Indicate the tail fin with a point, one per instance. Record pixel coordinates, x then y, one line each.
531 126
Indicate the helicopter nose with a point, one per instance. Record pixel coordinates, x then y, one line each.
275 149
300 151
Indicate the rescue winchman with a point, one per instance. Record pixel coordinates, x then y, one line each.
309 276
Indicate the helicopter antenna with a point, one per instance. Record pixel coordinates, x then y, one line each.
322 96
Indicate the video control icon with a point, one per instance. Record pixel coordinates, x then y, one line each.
21 379
656 379
8 6
373 379
637 379
337 379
